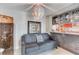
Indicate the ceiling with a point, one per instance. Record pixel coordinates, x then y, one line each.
53 8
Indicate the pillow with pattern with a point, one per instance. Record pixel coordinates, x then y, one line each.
39 38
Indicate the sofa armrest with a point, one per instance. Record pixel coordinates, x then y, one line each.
22 43
22 48
55 43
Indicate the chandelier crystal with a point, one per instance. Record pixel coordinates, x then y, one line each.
38 11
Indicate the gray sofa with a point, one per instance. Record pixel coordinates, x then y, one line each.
36 43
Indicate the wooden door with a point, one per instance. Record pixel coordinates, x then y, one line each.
6 32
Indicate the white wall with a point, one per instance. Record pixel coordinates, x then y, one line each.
20 25
48 24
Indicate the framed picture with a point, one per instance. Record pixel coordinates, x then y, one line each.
34 27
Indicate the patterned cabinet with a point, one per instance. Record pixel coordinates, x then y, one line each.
6 32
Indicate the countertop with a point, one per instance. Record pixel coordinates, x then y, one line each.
71 33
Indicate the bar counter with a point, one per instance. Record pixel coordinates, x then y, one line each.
71 33
67 40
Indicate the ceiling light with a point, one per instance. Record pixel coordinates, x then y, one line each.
38 11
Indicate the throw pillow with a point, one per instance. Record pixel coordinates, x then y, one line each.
39 38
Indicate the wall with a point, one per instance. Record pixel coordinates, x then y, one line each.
20 25
48 24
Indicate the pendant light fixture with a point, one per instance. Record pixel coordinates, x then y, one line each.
38 11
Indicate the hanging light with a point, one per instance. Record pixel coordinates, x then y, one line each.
38 11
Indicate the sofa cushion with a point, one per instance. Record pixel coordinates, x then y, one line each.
39 38
31 49
30 38
31 45
45 42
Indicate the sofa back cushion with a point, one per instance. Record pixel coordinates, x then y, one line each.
35 37
45 36
29 38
